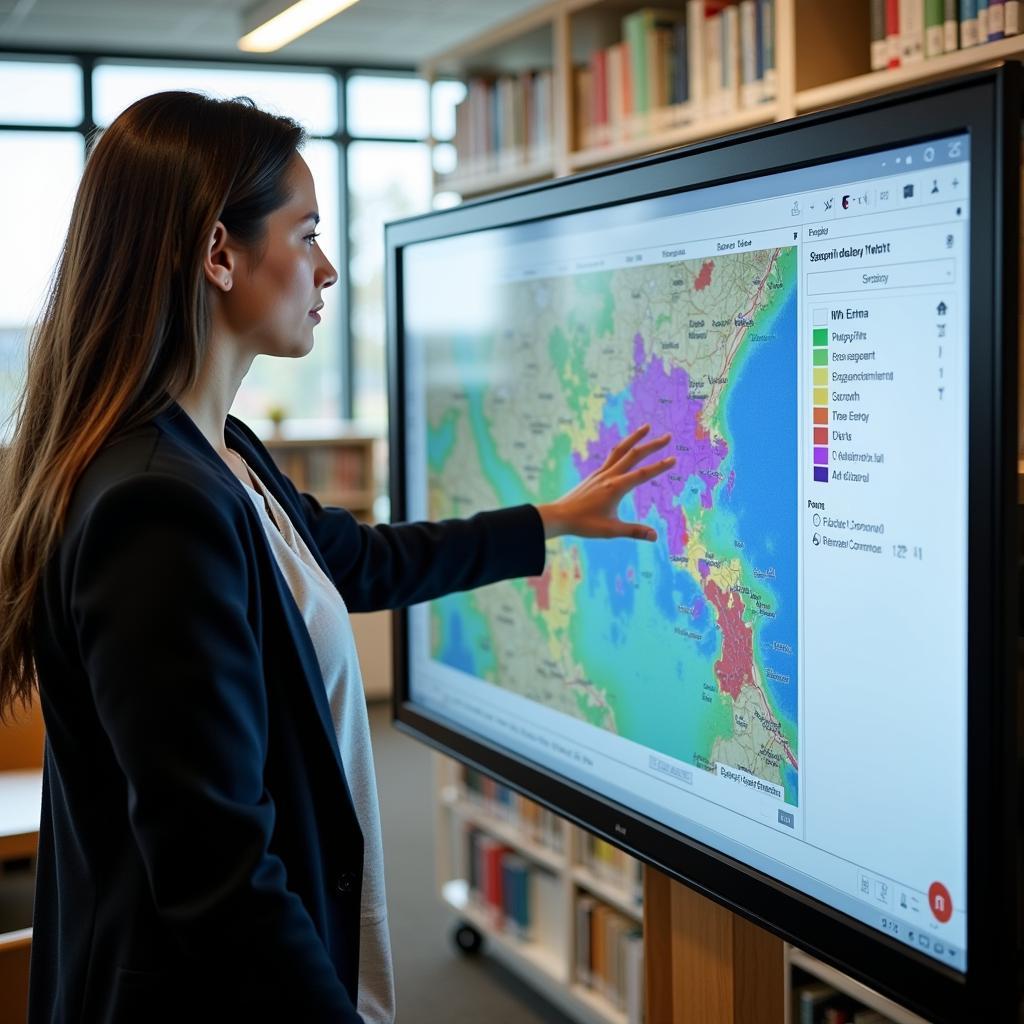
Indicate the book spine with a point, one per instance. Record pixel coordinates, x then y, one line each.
634 34
982 21
879 45
934 30
911 31
695 54
968 23
731 56
713 67
996 19
681 63
951 26
892 32
1011 17
767 21
751 79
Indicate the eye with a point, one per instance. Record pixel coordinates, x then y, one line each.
312 238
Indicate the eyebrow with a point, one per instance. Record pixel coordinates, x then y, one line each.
313 216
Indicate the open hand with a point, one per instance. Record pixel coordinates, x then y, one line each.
591 508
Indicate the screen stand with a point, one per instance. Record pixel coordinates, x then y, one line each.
705 964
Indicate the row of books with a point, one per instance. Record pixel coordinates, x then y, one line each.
326 469
906 31
816 1002
672 66
504 122
517 896
610 956
537 823
610 864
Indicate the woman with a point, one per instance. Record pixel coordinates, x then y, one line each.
209 844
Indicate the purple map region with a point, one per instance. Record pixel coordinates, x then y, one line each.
662 398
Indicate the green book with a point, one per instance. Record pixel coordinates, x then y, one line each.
635 29
934 27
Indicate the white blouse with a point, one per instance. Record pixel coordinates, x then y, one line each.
327 620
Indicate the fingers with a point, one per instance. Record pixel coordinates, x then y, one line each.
640 452
624 445
640 476
612 528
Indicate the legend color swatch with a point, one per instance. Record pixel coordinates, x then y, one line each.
820 371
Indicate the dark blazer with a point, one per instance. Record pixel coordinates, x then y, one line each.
199 854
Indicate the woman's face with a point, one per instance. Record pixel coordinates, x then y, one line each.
275 292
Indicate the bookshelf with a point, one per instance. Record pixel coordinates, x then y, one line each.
821 55
336 470
822 58
577 889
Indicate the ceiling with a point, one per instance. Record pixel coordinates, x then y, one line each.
397 33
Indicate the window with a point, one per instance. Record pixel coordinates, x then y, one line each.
387 180
310 97
387 168
39 173
40 92
388 106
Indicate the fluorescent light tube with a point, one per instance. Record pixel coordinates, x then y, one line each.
294 21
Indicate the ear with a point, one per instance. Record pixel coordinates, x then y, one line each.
221 261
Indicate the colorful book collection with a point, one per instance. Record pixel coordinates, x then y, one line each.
611 865
517 896
704 59
818 1003
504 122
326 469
610 956
906 31
537 823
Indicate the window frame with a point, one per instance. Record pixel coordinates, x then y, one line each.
88 59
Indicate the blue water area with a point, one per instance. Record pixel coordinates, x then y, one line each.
615 412
760 414
653 678
441 440
466 643
791 783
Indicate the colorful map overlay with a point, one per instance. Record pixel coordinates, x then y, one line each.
687 646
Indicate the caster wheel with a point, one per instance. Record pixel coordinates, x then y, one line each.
467 939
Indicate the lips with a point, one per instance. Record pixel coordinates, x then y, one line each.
315 312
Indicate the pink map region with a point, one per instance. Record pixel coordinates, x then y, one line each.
662 399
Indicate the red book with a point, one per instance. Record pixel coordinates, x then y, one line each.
599 84
892 31
493 852
627 79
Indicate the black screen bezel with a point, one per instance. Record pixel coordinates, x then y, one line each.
985 105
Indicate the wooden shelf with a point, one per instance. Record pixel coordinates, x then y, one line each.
891 79
608 892
507 832
598 1004
868 996
693 131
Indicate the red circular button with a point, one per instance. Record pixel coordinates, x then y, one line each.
940 902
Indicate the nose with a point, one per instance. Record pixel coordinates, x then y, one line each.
325 275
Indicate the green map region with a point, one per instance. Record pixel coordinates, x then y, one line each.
687 646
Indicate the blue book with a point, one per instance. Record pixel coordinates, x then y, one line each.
680 64
968 23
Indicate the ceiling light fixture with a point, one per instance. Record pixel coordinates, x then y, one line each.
273 31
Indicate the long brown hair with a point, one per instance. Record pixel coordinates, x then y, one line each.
125 325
